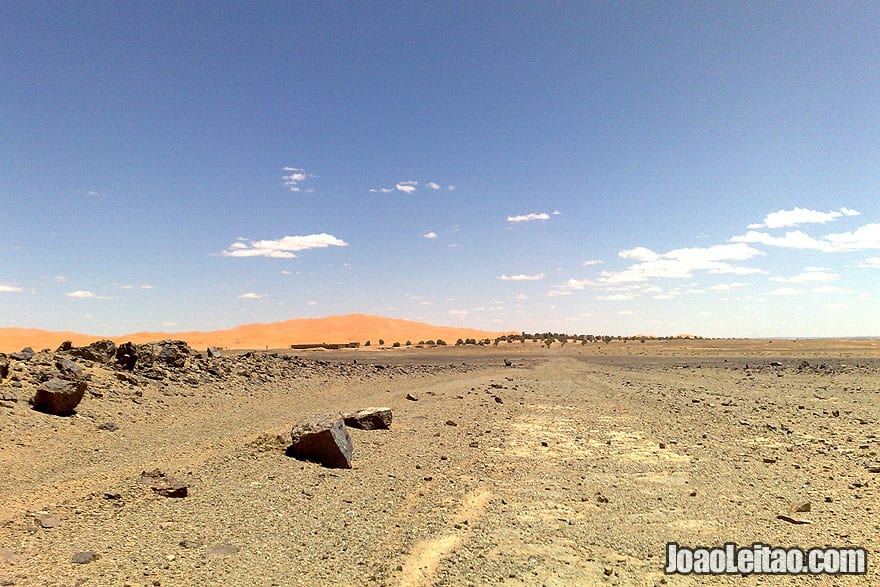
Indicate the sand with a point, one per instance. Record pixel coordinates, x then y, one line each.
573 466
332 329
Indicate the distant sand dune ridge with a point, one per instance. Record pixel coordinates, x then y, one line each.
332 329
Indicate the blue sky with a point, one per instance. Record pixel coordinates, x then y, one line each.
595 168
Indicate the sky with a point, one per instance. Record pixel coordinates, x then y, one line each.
581 167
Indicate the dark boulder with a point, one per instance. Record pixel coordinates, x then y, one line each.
100 351
68 369
25 354
369 419
126 356
4 368
59 397
214 352
64 347
322 439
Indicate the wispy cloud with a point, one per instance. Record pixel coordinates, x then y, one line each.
529 217
869 263
570 286
58 278
592 262
784 291
382 190
251 296
295 176
282 248
432 185
617 297
809 275
726 286
795 216
459 312
9 288
521 277
556 213
431 234
83 294
682 263
132 286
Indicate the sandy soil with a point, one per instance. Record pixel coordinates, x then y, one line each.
574 466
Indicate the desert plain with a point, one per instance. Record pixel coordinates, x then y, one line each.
514 464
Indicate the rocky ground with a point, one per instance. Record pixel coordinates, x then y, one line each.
571 466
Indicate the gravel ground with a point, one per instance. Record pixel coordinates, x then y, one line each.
573 466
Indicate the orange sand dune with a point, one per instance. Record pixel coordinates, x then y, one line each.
333 329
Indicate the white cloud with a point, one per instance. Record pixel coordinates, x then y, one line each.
312 303
618 297
809 275
570 286
431 234
285 272
522 277
625 312
450 188
251 296
382 190
795 216
282 248
407 187
94 193
458 312
592 262
682 263
784 291
529 217
726 286
792 240
521 297
556 213
82 294
58 278
131 286
639 254
663 297
830 289
9 288
869 263
294 177
864 237
432 185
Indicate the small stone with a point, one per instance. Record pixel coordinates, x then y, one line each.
369 419
222 549
498 400
109 427
411 397
804 507
46 520
82 558
451 423
791 520
190 544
